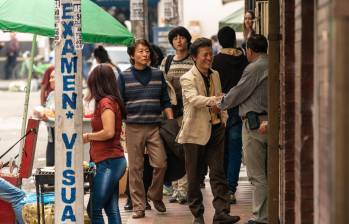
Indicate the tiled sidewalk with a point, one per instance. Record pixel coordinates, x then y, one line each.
180 214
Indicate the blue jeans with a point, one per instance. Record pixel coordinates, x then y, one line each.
105 190
12 195
233 149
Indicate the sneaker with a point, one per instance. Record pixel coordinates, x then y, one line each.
168 191
173 197
182 199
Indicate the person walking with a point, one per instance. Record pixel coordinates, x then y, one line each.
105 147
230 63
251 95
202 133
144 92
174 66
11 49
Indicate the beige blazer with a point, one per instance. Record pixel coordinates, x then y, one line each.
196 125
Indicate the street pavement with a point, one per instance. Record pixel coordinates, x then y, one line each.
11 112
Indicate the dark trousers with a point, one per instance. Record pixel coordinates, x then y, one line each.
9 66
233 149
50 148
213 154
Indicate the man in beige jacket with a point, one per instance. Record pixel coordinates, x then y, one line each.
202 133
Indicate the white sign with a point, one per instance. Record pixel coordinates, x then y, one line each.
136 10
68 118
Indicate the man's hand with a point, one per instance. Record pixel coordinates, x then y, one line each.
215 109
263 128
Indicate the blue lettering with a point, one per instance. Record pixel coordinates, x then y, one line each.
67 29
67 66
68 161
72 195
67 100
68 47
69 176
68 214
69 83
69 145
67 10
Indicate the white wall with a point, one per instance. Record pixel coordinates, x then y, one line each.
207 12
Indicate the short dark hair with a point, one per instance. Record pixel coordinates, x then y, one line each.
131 49
227 37
200 42
181 31
257 43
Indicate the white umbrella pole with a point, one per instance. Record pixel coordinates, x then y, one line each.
27 94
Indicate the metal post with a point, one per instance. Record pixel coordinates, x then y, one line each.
273 111
27 94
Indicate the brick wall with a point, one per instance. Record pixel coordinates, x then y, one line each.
287 124
304 86
322 112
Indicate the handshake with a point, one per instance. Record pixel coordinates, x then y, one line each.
214 102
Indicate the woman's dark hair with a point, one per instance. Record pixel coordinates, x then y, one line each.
131 49
156 56
181 31
227 37
245 30
257 43
101 55
102 83
200 42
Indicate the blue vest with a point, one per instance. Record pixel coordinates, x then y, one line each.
143 102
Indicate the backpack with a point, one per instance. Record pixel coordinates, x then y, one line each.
168 62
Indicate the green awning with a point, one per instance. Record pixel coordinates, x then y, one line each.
37 17
234 20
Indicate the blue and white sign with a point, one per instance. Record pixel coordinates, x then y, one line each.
68 118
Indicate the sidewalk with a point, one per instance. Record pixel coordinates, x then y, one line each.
180 214
4 84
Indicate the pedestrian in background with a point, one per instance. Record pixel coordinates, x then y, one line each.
144 92
101 55
248 29
251 95
202 133
105 146
173 67
11 50
216 47
230 63
87 51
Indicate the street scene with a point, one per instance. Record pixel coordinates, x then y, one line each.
174 111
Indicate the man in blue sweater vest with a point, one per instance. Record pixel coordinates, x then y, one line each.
144 92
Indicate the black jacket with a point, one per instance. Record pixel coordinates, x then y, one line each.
175 154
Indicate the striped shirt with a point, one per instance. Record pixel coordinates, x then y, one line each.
251 92
145 95
176 70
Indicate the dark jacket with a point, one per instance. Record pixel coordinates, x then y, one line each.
175 154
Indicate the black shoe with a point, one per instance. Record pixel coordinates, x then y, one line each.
147 205
225 218
232 199
172 199
128 206
159 205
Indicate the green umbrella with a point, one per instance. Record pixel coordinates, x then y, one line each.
37 17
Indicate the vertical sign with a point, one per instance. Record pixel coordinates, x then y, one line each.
68 119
